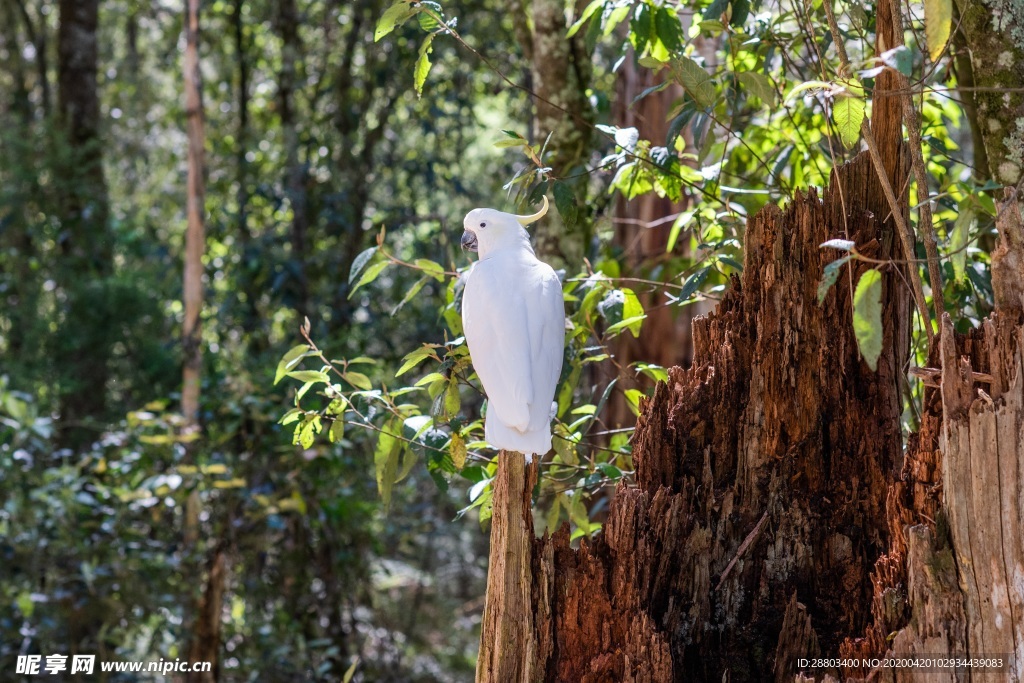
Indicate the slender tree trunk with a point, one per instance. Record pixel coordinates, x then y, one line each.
195 237
295 170
205 645
83 345
205 642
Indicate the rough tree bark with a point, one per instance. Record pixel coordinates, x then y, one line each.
560 75
762 470
508 642
956 511
991 77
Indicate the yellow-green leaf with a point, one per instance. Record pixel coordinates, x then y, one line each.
290 360
393 17
423 64
848 114
867 317
458 451
369 275
358 380
938 19
431 268
337 431
385 461
958 241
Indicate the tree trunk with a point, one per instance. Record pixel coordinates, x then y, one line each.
205 645
84 342
508 642
195 237
991 77
762 477
295 170
561 74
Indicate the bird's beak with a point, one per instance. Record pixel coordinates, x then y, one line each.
469 242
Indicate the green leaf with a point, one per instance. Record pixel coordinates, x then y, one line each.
427 21
669 29
829 277
423 64
758 85
413 359
358 380
693 283
633 324
385 460
740 11
290 360
867 317
337 431
633 400
641 27
434 270
677 226
565 202
360 262
310 376
564 445
695 80
411 294
306 431
848 114
369 275
393 16
938 19
25 604
587 13
291 416
351 671
958 241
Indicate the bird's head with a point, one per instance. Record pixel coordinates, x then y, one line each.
487 230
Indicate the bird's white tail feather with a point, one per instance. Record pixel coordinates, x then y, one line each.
537 441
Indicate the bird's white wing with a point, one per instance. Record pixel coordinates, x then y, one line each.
547 340
495 319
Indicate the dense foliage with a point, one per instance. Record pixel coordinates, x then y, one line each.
342 448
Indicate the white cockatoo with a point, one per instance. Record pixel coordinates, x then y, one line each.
514 321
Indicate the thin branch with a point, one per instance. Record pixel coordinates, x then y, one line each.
907 238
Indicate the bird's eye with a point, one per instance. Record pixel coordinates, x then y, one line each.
483 225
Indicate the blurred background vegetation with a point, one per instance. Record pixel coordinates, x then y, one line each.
114 515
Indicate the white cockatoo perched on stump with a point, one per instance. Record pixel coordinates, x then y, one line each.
514 321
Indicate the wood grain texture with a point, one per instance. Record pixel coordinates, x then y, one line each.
508 644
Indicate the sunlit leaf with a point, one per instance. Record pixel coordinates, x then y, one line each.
422 69
938 19
393 17
848 115
867 317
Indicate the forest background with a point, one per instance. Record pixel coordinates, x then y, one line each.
226 490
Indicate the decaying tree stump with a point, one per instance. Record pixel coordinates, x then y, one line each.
953 581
